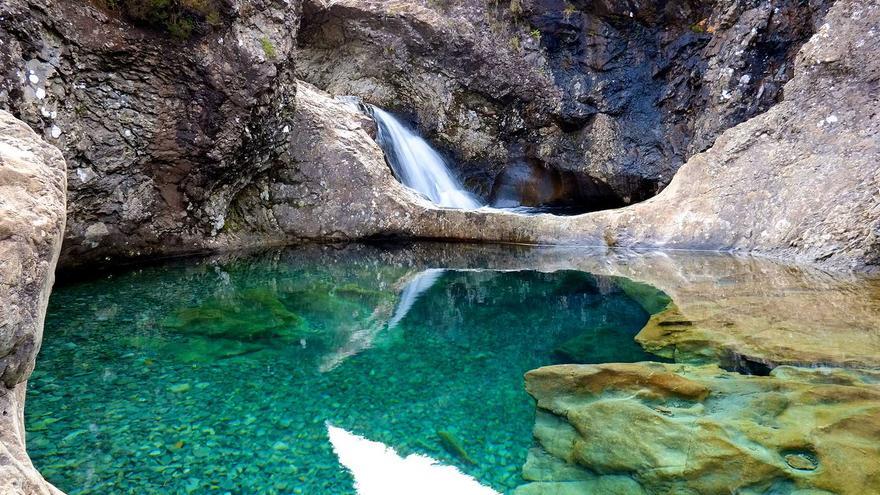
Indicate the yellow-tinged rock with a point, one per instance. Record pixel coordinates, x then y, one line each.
701 430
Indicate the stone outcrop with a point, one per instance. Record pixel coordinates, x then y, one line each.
160 133
224 152
334 183
650 428
32 210
798 181
609 97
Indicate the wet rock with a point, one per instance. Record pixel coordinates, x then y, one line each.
751 316
694 429
32 200
334 183
801 461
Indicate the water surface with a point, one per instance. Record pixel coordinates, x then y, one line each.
222 375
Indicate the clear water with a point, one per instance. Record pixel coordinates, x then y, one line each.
219 375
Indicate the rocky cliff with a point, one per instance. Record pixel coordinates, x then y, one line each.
605 100
185 144
757 119
798 181
160 132
32 201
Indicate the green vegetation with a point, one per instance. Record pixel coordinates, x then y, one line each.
536 35
180 18
515 43
702 27
516 7
268 47
255 314
568 11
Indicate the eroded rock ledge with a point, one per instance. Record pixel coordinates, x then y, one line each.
32 212
651 428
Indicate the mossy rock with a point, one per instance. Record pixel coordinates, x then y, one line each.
254 314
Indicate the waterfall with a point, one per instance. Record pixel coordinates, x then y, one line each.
419 166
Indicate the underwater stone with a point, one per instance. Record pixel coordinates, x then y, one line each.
180 388
451 443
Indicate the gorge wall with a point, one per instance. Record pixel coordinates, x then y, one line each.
159 133
231 136
608 97
179 145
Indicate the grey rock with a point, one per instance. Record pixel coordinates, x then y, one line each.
32 204
159 133
612 100
202 145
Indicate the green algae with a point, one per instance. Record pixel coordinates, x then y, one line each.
253 314
452 444
652 299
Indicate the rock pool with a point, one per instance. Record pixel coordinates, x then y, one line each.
315 369
223 374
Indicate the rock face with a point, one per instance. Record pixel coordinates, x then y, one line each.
612 97
185 145
799 181
650 428
334 183
32 204
160 133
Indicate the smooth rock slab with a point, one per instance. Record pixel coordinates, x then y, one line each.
656 428
32 213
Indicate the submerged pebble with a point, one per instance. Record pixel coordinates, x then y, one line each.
212 392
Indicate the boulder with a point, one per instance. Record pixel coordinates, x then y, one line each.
652 428
32 211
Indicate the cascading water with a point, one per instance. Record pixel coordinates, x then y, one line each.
419 166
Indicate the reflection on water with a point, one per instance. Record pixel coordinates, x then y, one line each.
378 470
423 281
221 374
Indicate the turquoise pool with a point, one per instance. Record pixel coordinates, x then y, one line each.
221 375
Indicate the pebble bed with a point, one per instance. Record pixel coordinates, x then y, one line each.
207 376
